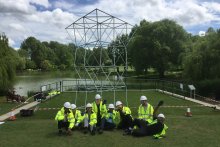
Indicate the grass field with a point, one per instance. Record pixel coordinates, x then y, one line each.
203 129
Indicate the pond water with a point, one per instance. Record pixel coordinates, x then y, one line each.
32 81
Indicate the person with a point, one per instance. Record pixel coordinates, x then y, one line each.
157 128
124 114
100 109
65 118
77 115
89 120
145 110
109 120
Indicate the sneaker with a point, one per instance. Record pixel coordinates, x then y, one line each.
100 131
85 131
127 132
93 132
60 132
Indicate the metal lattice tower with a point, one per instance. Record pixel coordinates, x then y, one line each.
96 34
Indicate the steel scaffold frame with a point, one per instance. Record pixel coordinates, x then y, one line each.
99 30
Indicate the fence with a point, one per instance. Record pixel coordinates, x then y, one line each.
136 84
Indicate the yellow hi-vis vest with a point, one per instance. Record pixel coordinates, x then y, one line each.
92 119
125 110
70 118
103 109
162 133
77 115
146 113
112 115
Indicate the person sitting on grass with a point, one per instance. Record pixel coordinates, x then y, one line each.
77 115
157 128
109 120
65 118
88 121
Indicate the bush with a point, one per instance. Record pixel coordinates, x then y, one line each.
209 88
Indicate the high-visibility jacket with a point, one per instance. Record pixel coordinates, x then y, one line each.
77 115
61 116
146 113
125 110
92 118
111 117
102 107
162 133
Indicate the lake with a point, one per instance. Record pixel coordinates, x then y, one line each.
32 81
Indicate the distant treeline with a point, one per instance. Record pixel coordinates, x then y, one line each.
163 46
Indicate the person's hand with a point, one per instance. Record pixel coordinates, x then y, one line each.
104 101
160 103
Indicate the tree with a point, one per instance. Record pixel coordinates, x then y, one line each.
157 45
203 61
8 62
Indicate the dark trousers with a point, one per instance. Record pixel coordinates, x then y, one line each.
105 125
142 128
125 123
62 124
99 121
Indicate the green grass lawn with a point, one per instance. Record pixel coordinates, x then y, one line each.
203 129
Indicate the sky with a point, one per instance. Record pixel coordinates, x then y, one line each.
46 20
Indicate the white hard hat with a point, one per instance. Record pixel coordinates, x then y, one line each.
88 105
111 106
143 98
118 103
67 105
73 106
161 115
97 97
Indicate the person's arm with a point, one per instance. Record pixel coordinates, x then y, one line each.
156 108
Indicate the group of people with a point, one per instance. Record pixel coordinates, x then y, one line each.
98 117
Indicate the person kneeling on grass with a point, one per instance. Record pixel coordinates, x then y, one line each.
157 128
65 118
99 107
88 120
109 120
124 114
77 115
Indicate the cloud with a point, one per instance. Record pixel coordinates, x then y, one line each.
23 18
44 3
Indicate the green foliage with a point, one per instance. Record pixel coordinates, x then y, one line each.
209 88
157 45
203 60
8 62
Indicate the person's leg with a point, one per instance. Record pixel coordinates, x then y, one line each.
119 126
66 125
92 129
60 125
138 133
109 126
86 125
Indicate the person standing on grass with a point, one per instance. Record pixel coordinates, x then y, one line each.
109 120
145 110
77 115
88 121
124 114
99 107
65 119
